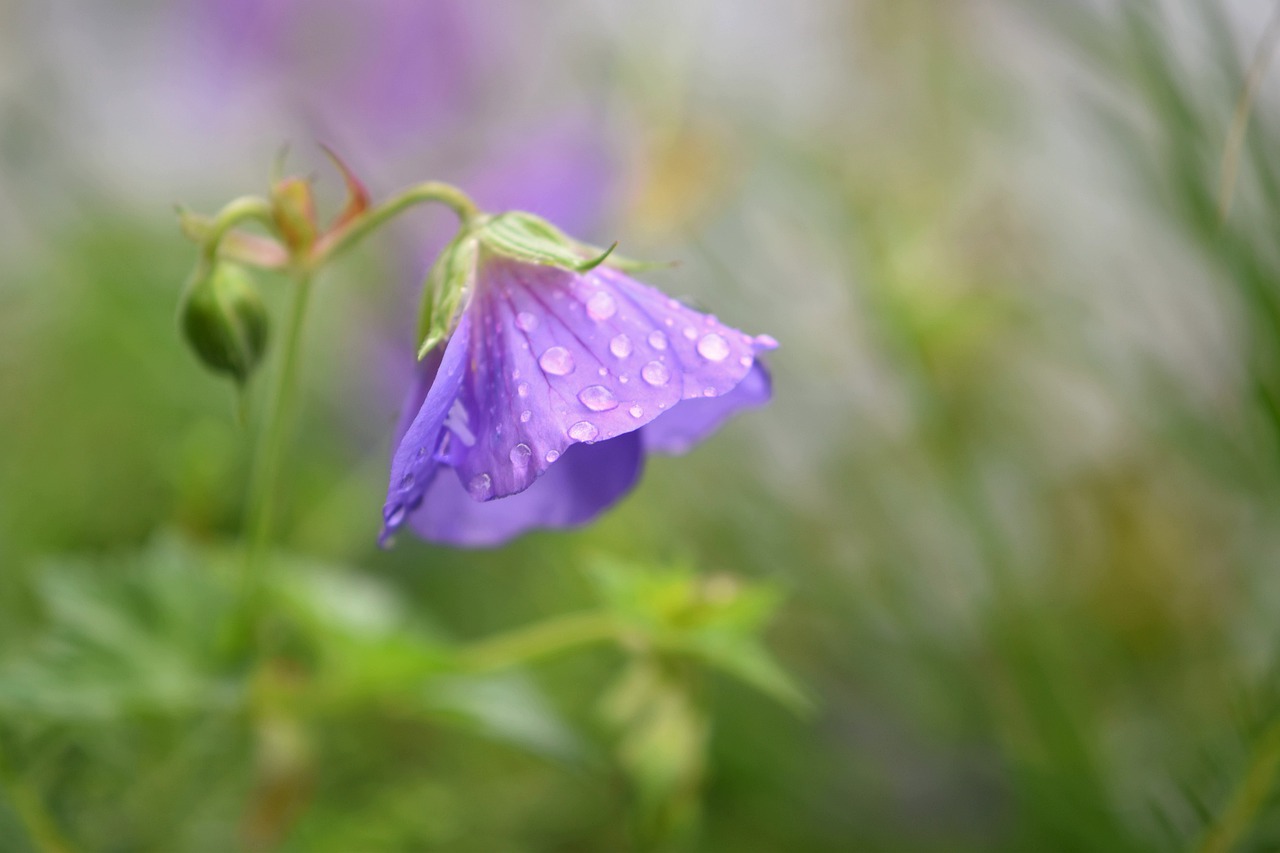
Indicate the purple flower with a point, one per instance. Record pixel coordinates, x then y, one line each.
540 407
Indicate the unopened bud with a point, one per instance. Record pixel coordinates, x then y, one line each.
294 209
224 320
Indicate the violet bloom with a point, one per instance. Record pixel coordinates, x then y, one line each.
555 382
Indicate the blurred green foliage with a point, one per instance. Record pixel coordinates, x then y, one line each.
996 571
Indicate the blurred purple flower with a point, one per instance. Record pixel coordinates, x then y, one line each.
539 409
390 69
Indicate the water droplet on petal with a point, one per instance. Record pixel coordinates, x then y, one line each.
604 371
624 379
601 306
480 487
745 361
669 321
393 514
620 346
583 431
598 398
515 374
523 389
708 392
712 347
557 361
407 482
520 455
657 339
525 415
690 332
552 455
636 411
526 322
655 373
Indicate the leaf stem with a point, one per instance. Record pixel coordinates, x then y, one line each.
523 645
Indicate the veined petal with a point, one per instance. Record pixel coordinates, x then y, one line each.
587 480
425 442
693 420
559 358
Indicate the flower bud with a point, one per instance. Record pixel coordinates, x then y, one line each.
224 320
294 210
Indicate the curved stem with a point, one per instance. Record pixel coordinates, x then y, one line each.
545 638
432 191
266 465
233 213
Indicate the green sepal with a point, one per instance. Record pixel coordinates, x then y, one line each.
448 284
224 320
534 240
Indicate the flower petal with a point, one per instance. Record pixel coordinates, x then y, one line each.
558 358
583 483
424 442
693 420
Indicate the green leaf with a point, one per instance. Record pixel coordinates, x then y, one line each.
532 239
447 286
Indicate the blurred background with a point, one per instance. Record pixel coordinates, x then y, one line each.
999 568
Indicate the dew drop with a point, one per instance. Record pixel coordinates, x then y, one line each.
657 339
557 361
598 398
670 322
620 346
523 389
525 415
480 487
712 347
745 361
655 373
407 482
604 371
552 455
636 411
393 514
583 431
520 455
526 322
690 332
601 306
624 379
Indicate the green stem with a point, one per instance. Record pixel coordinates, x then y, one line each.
41 828
263 484
1249 795
536 641
238 210
432 191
